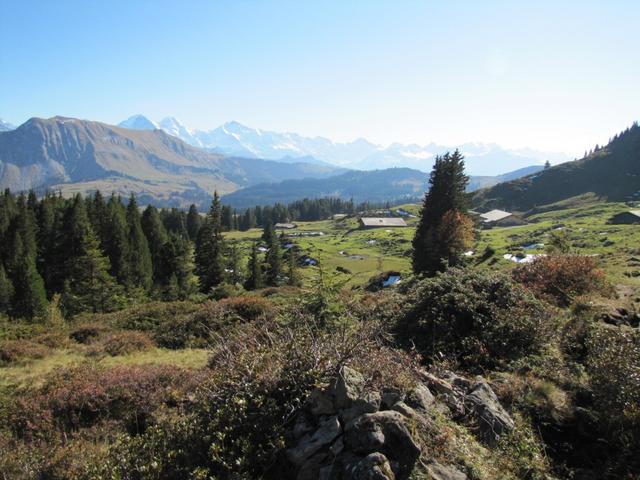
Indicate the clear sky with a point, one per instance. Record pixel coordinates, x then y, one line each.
552 75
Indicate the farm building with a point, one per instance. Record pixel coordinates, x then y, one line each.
285 226
500 218
626 218
382 222
339 216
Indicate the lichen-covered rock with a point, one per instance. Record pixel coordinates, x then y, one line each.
368 403
320 402
385 432
391 397
492 417
420 398
348 387
405 410
437 471
309 444
374 466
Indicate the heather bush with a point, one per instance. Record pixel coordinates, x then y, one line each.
480 319
249 308
123 343
87 333
562 278
12 351
87 396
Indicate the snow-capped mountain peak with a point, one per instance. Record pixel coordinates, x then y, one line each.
237 140
138 122
5 126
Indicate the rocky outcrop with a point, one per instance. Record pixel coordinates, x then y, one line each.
472 398
346 431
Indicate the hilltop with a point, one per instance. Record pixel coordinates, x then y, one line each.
611 172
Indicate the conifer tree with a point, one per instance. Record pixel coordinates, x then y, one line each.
254 280
6 290
141 270
292 268
209 266
87 283
193 222
273 256
176 279
156 235
447 184
234 269
29 297
115 242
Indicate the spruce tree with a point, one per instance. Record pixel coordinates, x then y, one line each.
210 244
115 242
273 256
292 268
141 270
193 222
447 185
156 236
6 291
254 280
29 298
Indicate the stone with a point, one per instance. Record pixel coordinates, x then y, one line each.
437 471
310 469
369 403
301 426
385 432
348 387
391 397
420 398
492 417
405 410
337 447
309 444
321 402
374 466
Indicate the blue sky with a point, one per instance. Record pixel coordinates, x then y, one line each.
546 74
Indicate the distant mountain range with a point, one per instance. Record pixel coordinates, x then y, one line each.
391 184
611 173
74 155
235 139
5 127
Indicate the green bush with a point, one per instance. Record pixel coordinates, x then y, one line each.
87 333
479 319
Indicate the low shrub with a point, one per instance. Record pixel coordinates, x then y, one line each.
249 307
123 343
86 396
227 290
87 333
479 319
192 330
12 351
562 278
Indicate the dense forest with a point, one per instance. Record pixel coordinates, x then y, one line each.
99 254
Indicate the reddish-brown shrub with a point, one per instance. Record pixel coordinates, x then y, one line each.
125 342
249 307
89 332
560 278
14 350
86 396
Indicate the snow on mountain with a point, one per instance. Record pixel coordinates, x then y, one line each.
237 140
138 122
5 126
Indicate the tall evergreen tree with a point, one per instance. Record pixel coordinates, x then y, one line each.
176 279
446 193
193 222
156 235
209 248
292 268
141 269
6 291
115 242
254 280
273 255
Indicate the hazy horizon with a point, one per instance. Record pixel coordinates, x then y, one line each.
557 78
